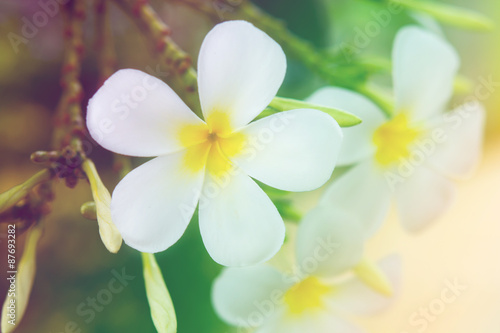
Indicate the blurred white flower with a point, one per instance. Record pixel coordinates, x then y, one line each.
411 155
316 291
240 69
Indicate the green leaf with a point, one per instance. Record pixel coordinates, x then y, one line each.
23 282
344 119
160 303
452 15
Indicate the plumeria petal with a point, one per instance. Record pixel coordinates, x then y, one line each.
422 197
320 322
153 204
293 150
248 297
240 70
424 69
358 140
459 151
364 185
328 242
355 297
136 114
239 224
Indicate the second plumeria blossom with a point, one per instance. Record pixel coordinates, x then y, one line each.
210 162
410 155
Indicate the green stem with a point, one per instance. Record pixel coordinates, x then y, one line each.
384 101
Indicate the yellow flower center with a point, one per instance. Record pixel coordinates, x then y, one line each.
306 295
211 144
394 139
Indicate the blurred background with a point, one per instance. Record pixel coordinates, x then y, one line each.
74 266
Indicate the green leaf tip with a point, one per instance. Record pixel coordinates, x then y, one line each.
160 303
343 118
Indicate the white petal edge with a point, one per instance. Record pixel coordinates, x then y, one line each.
136 114
358 140
355 297
292 150
249 296
153 204
239 224
423 197
366 186
329 242
458 141
424 67
240 70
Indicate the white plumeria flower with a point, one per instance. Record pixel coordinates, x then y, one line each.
211 161
411 155
315 292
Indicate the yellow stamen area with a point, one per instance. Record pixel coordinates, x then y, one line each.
394 140
211 144
307 295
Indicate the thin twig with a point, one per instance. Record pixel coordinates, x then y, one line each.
69 125
172 58
104 41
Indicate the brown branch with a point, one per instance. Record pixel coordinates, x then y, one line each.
69 125
69 128
182 76
104 41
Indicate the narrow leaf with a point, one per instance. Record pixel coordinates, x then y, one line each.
344 118
160 303
16 301
12 196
